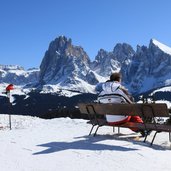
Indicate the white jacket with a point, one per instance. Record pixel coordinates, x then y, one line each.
112 93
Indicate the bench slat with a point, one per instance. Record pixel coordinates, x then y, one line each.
156 109
149 126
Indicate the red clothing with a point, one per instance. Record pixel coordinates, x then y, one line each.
136 119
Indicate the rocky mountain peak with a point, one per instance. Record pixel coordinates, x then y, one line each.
68 66
101 55
11 67
123 51
63 62
59 45
150 67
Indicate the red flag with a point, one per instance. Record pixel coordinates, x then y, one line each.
10 87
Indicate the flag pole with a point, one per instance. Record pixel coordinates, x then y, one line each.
9 107
8 89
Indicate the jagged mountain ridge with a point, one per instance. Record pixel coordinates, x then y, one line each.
17 75
150 68
67 66
144 69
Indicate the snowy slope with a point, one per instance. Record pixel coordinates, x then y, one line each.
162 46
35 144
17 75
67 69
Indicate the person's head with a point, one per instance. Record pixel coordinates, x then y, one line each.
116 76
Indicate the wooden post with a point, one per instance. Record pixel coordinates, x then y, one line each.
8 89
9 107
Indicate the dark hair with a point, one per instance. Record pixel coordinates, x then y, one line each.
116 76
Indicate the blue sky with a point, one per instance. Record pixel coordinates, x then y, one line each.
28 26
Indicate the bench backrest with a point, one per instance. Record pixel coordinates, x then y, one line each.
144 110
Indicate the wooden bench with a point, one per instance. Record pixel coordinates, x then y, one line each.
148 112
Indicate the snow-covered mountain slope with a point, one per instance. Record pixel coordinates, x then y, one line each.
68 68
150 68
162 46
145 69
17 75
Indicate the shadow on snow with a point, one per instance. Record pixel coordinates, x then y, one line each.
91 143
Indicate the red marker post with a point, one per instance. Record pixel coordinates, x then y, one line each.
8 89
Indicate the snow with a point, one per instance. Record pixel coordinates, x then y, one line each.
36 144
101 78
164 89
11 67
18 72
18 90
162 46
69 90
58 52
48 88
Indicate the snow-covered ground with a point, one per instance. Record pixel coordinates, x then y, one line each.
36 144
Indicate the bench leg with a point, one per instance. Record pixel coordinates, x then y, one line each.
119 130
145 138
91 129
153 138
96 130
170 136
113 129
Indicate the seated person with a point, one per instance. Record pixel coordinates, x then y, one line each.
112 91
